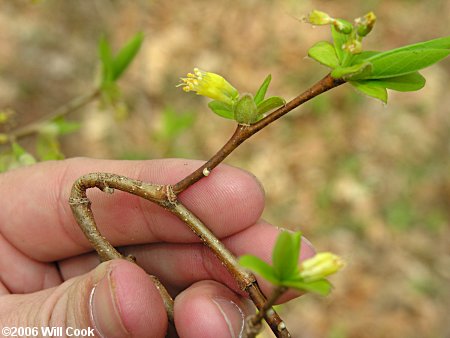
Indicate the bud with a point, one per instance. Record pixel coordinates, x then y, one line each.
343 26
5 115
245 110
319 18
4 138
365 24
211 85
320 266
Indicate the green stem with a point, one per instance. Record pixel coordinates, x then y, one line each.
69 107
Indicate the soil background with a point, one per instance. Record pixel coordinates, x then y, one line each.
365 180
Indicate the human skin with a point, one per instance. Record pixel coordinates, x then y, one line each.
49 276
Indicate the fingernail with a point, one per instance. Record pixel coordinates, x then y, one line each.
104 309
234 316
308 249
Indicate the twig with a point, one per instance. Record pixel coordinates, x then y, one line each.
163 196
70 107
166 196
81 208
244 132
246 280
253 323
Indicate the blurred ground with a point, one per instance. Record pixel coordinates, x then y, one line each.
368 181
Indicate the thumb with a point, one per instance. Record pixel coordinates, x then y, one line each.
116 299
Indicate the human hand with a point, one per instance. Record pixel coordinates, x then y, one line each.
50 277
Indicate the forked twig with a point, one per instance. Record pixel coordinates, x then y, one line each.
163 196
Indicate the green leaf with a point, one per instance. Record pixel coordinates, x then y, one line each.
339 40
261 93
346 73
403 83
126 55
324 53
21 156
5 160
363 56
221 109
373 56
106 59
322 286
260 267
403 62
371 88
270 104
285 254
18 150
66 127
48 147
439 43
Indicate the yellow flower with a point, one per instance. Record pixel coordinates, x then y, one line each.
320 266
319 18
211 85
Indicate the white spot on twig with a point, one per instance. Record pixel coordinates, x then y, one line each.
281 326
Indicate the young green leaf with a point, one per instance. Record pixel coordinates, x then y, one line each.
403 62
285 255
371 88
339 40
221 109
126 55
21 156
48 147
261 93
363 56
403 83
66 127
106 59
322 286
259 267
346 73
270 104
439 43
324 53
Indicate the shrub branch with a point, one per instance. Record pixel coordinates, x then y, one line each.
166 197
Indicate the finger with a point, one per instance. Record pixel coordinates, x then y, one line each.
45 230
3 289
22 274
117 299
180 265
217 311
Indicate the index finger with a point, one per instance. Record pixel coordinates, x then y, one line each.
37 220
